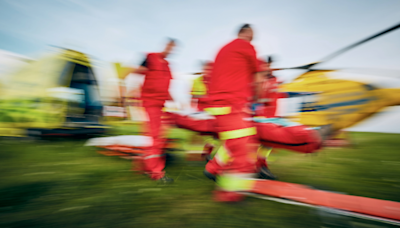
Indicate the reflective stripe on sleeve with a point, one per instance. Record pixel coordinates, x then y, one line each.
234 134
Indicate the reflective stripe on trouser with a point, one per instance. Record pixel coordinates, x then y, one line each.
222 156
263 153
212 141
239 133
236 182
153 156
154 161
236 133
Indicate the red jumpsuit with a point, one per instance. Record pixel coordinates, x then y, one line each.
154 94
229 91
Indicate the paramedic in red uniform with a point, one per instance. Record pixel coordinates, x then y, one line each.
154 94
205 80
269 94
230 86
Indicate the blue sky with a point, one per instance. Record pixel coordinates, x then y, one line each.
296 32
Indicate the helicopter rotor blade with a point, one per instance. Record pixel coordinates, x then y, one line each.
394 74
302 68
333 55
339 52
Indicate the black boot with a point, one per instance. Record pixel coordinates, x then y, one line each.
209 175
165 180
265 173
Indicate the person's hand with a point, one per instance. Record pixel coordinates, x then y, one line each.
170 97
247 110
136 102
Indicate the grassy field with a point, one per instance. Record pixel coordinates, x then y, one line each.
63 184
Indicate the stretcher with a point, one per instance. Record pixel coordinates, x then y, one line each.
124 145
127 146
271 132
356 206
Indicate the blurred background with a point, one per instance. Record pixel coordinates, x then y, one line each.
295 32
64 71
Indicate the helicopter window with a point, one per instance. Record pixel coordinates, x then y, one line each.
65 73
309 103
82 74
297 102
288 106
370 87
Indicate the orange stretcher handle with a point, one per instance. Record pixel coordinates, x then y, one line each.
304 194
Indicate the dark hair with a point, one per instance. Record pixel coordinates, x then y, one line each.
270 59
205 63
172 40
243 28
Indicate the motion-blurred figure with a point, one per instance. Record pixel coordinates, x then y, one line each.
199 94
271 131
229 90
268 95
154 94
200 86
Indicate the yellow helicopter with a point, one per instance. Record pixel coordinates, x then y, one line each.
342 103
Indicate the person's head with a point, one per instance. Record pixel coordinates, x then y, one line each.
269 61
245 32
207 67
169 46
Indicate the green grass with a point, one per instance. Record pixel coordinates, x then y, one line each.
63 184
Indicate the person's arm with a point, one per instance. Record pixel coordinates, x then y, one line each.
251 57
254 65
143 68
140 70
258 83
